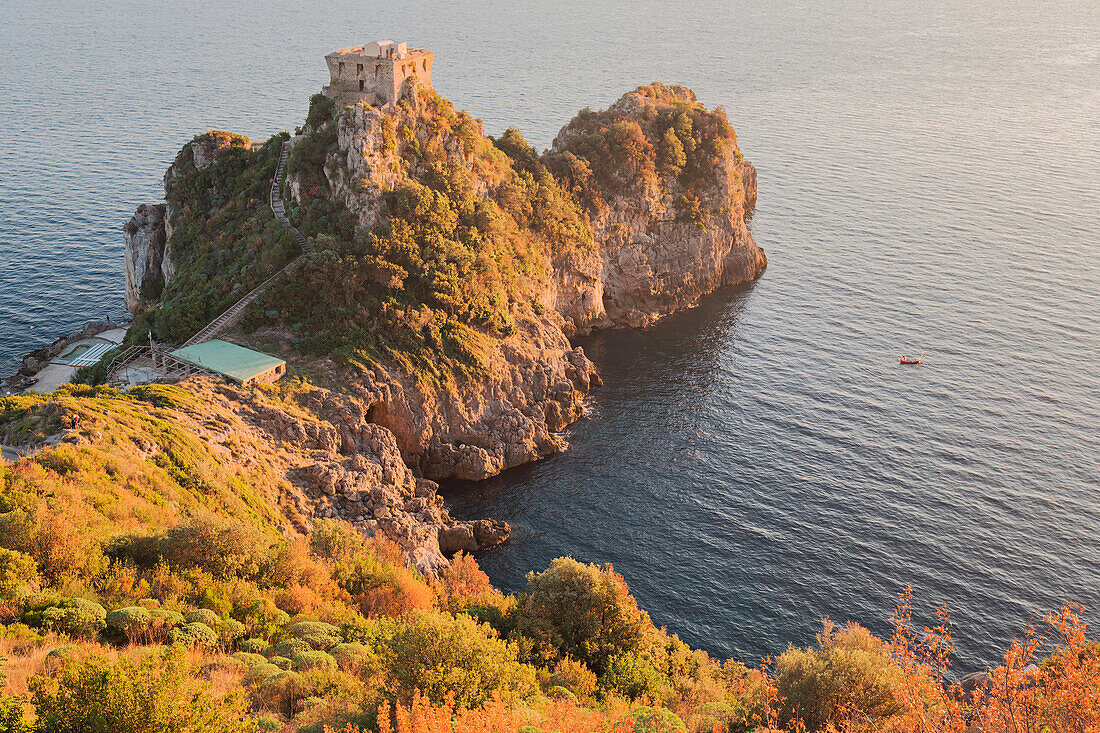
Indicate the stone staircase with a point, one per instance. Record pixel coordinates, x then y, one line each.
232 316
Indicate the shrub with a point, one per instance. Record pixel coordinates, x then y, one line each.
632 677
250 660
451 657
583 611
656 720
203 616
334 539
230 631
17 571
291 647
318 635
131 622
574 676
557 692
253 646
194 634
313 660
355 658
60 655
78 617
159 694
282 662
851 675
223 547
161 623
259 673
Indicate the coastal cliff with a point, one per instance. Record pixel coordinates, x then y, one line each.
445 273
668 194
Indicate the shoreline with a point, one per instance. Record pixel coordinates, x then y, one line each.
41 366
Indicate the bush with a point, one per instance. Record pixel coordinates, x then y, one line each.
17 571
131 622
633 677
229 631
334 539
60 655
223 547
250 660
77 617
452 658
313 660
656 720
574 676
355 658
253 646
259 673
159 694
318 635
203 616
291 647
282 662
585 612
161 623
851 675
194 634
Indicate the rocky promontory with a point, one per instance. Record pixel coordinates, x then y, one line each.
445 274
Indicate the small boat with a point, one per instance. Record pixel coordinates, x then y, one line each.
906 359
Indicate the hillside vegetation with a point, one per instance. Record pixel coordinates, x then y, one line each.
149 583
461 247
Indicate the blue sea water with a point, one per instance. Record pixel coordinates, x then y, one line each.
929 182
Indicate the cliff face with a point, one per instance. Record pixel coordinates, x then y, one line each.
148 256
531 382
145 239
651 233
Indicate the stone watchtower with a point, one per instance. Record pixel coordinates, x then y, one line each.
376 72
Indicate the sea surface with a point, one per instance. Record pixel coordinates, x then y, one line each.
929 182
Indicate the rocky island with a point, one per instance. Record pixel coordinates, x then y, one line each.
445 273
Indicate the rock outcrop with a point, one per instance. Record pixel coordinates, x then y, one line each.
148 235
589 245
653 260
145 240
536 380
339 464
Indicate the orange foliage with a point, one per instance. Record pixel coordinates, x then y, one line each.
463 579
1017 697
403 592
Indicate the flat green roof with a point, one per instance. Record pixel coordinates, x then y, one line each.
230 360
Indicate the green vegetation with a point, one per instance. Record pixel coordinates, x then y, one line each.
225 240
673 143
448 271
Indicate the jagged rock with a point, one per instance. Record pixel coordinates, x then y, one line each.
457 538
472 536
144 253
490 533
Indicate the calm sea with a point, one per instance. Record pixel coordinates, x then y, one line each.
929 182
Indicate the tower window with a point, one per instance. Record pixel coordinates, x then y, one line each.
359 69
360 85
341 68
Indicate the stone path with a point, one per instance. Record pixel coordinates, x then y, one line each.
230 318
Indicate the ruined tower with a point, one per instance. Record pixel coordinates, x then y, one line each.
376 72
